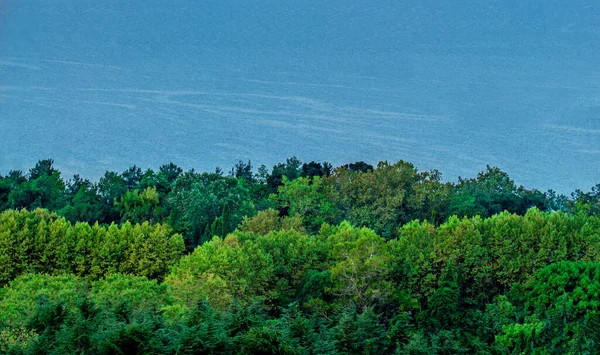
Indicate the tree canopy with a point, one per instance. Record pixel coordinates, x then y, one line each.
306 259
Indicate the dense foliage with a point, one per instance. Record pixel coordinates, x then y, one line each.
306 259
200 205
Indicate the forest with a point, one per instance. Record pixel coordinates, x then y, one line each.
302 258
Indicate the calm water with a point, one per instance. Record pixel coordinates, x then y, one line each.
101 85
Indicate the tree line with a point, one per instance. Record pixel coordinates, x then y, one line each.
200 205
305 259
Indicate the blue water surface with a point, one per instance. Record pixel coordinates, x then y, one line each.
453 85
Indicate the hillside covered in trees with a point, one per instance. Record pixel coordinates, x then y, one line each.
304 258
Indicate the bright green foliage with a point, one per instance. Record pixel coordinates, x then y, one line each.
490 255
20 299
523 245
356 260
150 249
140 295
293 255
461 243
414 262
39 241
360 271
220 271
457 288
561 306
434 289
36 306
200 205
64 315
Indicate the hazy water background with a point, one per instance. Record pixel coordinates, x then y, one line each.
101 85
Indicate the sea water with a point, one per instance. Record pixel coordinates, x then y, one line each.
102 85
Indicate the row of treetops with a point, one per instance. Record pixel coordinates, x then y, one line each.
305 259
502 284
200 205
